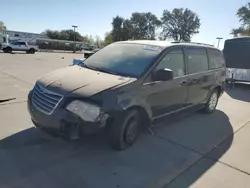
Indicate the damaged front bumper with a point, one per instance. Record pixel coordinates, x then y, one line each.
62 122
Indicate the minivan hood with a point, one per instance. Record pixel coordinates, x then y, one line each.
80 80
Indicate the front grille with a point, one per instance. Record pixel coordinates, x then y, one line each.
45 100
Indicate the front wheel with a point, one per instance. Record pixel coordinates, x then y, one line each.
7 50
212 102
124 131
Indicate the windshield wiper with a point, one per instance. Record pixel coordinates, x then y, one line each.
89 67
100 70
108 71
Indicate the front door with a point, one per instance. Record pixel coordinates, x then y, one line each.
167 96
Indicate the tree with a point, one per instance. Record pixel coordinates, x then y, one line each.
139 26
2 26
117 32
90 40
63 35
144 25
127 30
108 38
243 14
97 41
180 24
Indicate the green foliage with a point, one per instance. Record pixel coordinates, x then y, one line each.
117 32
2 26
243 14
69 35
107 39
143 25
179 24
63 35
139 26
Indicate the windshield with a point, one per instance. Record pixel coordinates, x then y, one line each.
124 59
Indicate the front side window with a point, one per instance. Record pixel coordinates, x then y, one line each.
125 59
173 60
197 60
216 59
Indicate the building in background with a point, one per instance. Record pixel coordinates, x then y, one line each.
42 41
23 36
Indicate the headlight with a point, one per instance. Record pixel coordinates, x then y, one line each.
86 111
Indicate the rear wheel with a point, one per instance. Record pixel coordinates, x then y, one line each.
212 102
124 131
32 50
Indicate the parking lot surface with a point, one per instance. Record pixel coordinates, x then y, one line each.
194 150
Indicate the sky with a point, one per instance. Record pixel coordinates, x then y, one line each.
95 16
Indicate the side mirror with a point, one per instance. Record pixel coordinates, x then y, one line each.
163 75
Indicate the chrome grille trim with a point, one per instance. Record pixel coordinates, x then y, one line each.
45 100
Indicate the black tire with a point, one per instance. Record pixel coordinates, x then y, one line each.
212 102
27 51
32 51
8 50
124 131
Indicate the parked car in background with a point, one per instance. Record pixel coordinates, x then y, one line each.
237 56
18 46
126 87
88 53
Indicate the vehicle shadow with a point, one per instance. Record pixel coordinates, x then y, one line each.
22 52
28 159
240 92
202 134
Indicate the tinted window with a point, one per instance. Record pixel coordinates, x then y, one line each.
18 43
197 60
237 54
173 60
124 58
216 59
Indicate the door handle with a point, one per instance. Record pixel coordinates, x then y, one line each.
184 83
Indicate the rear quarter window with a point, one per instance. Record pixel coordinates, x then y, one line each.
216 59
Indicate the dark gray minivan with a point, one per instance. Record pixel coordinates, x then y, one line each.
127 86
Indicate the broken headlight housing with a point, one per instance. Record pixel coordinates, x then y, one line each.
86 111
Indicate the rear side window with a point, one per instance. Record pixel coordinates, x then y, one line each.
216 59
197 60
19 43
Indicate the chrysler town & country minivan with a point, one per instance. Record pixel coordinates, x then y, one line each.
125 87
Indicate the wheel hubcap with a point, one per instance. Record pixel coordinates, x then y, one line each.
131 132
213 101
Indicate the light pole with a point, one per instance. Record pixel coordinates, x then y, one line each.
74 26
219 38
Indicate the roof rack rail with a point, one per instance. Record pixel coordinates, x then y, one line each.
193 43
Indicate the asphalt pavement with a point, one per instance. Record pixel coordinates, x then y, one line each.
193 150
